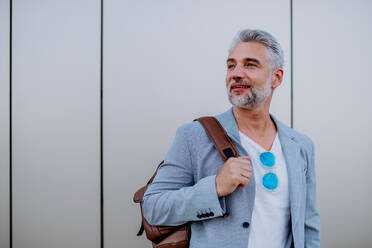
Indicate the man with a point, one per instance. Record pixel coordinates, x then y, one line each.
268 192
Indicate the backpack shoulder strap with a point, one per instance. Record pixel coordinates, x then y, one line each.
219 137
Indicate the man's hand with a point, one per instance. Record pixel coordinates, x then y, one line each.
235 172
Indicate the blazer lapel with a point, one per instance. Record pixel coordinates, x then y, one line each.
292 155
228 122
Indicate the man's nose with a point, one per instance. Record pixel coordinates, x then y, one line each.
237 73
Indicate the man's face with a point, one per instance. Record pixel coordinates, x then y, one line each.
249 75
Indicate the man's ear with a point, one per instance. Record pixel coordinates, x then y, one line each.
277 77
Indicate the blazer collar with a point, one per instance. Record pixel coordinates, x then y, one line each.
228 122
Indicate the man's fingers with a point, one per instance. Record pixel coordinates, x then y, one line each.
246 174
246 167
243 182
244 160
246 163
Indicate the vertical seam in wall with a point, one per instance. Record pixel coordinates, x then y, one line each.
291 24
10 129
101 131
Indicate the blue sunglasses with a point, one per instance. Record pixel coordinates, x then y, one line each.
270 179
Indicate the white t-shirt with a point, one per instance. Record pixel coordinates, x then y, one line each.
269 227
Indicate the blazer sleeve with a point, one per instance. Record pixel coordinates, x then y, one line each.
173 198
312 220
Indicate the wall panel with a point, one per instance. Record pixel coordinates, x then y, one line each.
4 123
332 104
164 65
56 129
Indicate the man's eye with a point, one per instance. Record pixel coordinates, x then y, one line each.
230 66
250 64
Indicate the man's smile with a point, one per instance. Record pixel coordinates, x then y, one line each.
239 87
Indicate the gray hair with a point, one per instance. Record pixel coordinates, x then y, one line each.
274 48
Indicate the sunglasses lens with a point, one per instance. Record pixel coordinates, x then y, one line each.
267 158
270 181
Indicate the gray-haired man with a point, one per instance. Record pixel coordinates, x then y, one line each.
268 192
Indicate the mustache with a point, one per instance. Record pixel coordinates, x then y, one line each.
246 83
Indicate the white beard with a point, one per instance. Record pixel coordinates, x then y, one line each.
255 98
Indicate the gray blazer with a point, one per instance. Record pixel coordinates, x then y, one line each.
184 189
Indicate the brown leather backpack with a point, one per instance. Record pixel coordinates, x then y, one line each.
179 236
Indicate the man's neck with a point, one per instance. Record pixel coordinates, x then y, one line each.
254 123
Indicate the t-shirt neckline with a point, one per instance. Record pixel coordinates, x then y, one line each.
259 147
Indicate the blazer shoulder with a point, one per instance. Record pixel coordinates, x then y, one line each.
304 140
191 129
300 138
194 135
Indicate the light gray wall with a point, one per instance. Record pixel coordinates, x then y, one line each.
332 104
164 65
56 123
4 123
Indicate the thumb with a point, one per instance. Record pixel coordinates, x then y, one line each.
245 157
